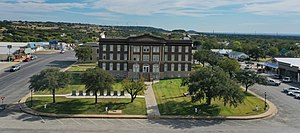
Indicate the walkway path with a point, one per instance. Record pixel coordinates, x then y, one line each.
151 104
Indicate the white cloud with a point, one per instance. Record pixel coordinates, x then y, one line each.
36 6
173 7
282 7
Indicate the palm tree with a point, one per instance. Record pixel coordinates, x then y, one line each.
97 79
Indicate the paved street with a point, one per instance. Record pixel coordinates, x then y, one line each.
14 86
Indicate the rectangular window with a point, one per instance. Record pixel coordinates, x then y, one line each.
97 51
186 67
173 48
179 57
125 56
125 66
118 66
136 68
104 48
172 67
166 57
104 57
111 66
111 47
136 49
179 67
166 67
118 47
172 57
111 56
125 48
145 57
136 57
179 48
186 49
104 66
146 49
166 48
186 57
155 58
118 57
156 49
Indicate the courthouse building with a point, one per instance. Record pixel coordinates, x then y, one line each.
145 56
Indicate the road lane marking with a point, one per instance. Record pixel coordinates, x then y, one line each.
60 122
123 121
42 119
140 123
107 122
75 121
92 121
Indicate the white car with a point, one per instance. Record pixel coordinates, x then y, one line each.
293 93
297 96
287 79
273 82
290 89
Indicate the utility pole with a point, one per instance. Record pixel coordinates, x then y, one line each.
9 47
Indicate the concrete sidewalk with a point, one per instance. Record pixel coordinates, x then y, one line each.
151 104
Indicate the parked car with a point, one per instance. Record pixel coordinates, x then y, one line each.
290 89
27 59
293 93
15 68
287 80
273 82
248 67
276 76
33 57
297 96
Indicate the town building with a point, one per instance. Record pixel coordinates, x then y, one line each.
289 67
145 56
238 56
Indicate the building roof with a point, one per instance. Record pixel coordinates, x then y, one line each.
14 44
4 50
291 61
268 64
235 53
146 38
222 51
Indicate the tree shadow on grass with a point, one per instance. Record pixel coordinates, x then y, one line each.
188 108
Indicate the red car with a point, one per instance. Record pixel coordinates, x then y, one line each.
27 59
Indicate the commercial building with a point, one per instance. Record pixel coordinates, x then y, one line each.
145 56
289 67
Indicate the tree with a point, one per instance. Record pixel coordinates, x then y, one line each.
230 66
206 56
249 78
256 53
273 51
50 79
212 82
134 87
83 53
97 79
237 46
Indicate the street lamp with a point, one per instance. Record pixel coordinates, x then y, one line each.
265 101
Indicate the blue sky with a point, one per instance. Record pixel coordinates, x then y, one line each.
239 16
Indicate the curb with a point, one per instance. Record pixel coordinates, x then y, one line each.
272 111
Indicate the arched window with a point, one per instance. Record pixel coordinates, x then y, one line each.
146 68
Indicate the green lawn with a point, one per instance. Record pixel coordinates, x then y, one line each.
170 99
86 64
70 88
87 106
77 69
